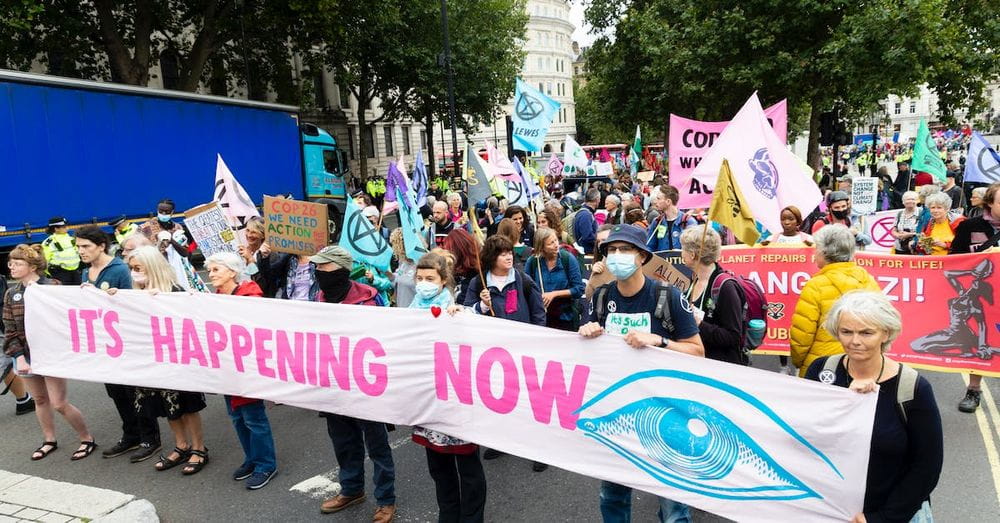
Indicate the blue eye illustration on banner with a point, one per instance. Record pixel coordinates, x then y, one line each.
692 446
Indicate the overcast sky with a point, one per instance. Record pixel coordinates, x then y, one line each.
576 16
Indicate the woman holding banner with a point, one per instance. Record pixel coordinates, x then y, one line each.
27 265
838 274
907 446
151 272
226 271
557 272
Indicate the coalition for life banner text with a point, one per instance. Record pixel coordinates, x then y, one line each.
691 139
951 322
740 442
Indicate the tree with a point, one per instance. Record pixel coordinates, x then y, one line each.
121 41
703 59
591 124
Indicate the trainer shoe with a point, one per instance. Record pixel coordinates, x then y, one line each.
258 480
970 402
120 448
24 407
146 451
242 473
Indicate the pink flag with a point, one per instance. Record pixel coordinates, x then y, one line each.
605 157
690 140
768 174
554 167
233 198
502 167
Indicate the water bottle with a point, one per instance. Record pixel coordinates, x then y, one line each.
756 331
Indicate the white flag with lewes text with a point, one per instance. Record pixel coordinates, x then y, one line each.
768 174
233 198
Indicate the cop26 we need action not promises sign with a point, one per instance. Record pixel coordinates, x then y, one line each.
744 443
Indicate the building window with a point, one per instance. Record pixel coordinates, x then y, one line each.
898 108
423 139
319 91
387 130
541 64
170 70
345 96
368 141
350 141
406 139
541 87
549 88
913 107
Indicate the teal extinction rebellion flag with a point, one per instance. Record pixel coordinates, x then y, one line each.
533 114
926 157
360 238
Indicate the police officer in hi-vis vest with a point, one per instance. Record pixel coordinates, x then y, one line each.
60 253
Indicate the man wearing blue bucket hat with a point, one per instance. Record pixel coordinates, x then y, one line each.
644 313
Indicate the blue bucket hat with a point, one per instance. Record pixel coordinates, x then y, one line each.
630 234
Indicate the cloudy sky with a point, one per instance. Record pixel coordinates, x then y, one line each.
576 16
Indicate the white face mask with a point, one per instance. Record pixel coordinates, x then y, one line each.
427 290
139 278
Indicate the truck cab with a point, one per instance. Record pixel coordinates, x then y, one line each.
326 170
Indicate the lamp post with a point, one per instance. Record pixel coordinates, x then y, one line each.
451 86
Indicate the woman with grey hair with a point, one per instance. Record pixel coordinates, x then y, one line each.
907 447
838 274
936 236
226 271
905 227
716 294
976 203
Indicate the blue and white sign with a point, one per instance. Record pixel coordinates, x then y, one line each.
533 114
982 163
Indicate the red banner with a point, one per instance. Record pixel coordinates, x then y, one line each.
950 320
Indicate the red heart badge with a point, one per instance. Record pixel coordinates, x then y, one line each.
435 310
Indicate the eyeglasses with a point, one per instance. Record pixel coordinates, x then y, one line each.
16 263
623 249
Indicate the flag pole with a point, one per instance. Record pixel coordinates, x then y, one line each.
482 279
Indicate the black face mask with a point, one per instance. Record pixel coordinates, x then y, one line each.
334 284
841 215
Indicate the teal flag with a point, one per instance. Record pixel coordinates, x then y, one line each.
412 223
926 157
533 114
360 238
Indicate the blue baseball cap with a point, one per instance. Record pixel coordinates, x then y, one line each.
629 234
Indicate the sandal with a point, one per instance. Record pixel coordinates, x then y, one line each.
86 448
165 463
195 467
41 450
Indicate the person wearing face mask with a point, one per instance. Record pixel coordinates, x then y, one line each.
615 308
839 205
151 272
454 464
352 437
179 238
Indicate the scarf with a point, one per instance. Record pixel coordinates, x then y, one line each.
334 284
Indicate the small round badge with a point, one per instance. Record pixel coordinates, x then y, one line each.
827 376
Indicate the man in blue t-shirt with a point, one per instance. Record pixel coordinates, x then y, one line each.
664 232
626 307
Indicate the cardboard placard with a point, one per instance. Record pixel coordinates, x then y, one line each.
658 268
295 226
645 176
211 230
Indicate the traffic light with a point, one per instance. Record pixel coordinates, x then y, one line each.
827 122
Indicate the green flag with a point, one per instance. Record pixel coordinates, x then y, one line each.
635 153
637 143
925 154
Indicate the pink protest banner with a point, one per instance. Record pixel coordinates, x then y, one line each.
595 407
950 320
691 139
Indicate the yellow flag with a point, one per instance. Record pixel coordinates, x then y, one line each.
730 209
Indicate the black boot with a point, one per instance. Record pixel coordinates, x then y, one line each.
971 401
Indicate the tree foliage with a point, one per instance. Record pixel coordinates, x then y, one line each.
703 58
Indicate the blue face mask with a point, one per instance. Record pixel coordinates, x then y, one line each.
163 217
621 265
427 290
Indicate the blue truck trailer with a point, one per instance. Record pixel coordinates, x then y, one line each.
92 151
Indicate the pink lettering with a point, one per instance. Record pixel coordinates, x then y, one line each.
215 333
445 371
311 370
553 391
242 345
329 361
88 316
507 400
74 331
115 349
287 359
191 345
378 371
260 337
163 339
